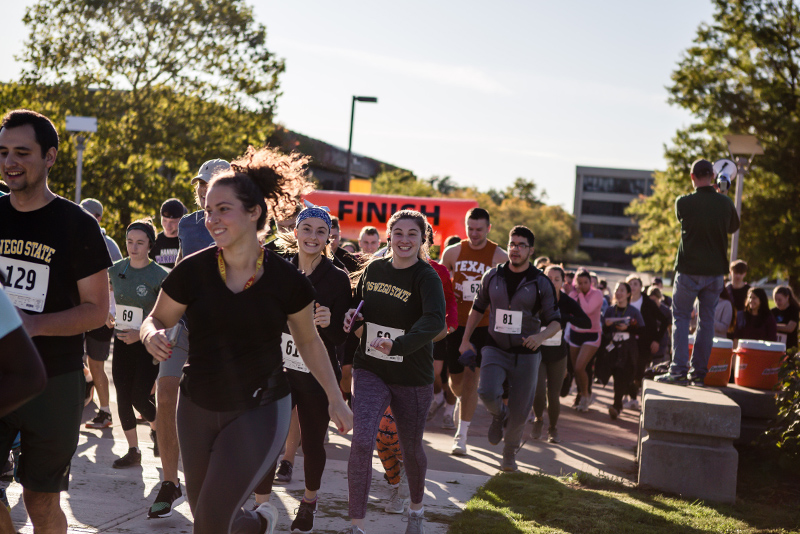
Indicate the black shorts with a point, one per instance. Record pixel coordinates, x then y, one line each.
577 339
480 337
96 349
49 425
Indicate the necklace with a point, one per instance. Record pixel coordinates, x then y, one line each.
223 272
311 270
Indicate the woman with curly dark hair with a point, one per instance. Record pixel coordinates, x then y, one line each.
234 408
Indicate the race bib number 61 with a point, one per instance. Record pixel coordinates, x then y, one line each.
26 283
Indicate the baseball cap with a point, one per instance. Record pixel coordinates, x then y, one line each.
210 168
173 208
702 168
93 206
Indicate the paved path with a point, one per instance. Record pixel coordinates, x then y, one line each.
102 499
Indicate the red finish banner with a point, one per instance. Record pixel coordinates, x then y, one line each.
355 211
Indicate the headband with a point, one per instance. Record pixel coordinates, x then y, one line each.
314 211
146 228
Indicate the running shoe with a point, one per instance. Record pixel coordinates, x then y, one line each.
284 473
447 422
304 520
552 435
396 503
435 407
669 378
169 496
153 437
697 381
416 523
536 431
352 529
633 404
495 433
131 459
613 412
101 420
270 516
583 406
577 402
459 446
509 462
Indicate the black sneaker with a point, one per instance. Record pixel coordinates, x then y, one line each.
669 378
169 496
496 427
156 452
131 459
697 381
101 420
304 522
284 473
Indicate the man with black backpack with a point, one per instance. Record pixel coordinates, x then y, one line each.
521 299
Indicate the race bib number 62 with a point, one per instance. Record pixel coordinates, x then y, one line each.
26 283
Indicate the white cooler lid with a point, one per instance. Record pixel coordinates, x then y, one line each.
769 346
723 343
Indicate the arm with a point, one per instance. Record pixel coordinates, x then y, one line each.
787 328
571 312
591 304
472 321
723 316
166 314
91 313
449 257
315 356
22 373
451 315
534 341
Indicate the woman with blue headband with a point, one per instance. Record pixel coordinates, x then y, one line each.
234 407
312 256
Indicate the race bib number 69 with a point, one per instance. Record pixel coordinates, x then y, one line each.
376 330
26 283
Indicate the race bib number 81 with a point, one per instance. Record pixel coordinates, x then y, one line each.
376 330
26 283
508 321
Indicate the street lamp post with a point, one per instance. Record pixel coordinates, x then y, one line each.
739 147
371 99
80 125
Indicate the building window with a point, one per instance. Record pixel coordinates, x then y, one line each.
601 207
607 231
608 184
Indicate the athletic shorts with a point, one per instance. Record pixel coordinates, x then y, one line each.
173 366
480 337
576 339
96 349
440 349
49 425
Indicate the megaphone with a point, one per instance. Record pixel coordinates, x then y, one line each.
724 172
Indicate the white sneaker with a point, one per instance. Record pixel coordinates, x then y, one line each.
270 513
435 407
448 423
396 503
633 405
459 446
584 405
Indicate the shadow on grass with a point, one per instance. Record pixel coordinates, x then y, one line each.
582 504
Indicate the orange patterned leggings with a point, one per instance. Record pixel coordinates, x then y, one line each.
389 447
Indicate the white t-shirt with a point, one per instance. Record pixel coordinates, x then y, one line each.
9 318
638 303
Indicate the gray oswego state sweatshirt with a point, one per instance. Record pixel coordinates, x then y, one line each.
532 305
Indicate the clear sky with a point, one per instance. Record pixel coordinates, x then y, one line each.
484 92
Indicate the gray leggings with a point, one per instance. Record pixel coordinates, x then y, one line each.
225 454
410 405
551 377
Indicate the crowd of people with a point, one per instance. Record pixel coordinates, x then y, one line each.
239 341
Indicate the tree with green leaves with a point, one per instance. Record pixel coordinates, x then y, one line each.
172 83
741 75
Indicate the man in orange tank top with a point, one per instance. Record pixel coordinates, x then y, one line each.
467 261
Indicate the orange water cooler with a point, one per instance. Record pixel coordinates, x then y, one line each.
758 363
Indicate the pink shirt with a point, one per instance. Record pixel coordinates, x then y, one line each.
592 305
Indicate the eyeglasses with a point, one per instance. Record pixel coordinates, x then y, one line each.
520 246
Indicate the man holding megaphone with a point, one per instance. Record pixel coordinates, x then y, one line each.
706 218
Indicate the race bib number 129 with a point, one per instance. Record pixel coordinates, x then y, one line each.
26 283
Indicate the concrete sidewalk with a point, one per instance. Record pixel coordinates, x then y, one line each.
103 499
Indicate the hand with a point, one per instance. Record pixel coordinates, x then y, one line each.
654 346
465 346
349 317
382 344
451 329
110 321
609 322
322 316
158 345
128 336
533 341
341 415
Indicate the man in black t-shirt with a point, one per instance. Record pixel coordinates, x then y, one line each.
165 250
55 257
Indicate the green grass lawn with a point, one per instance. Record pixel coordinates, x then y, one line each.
582 504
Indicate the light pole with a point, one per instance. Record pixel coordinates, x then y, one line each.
371 99
739 147
81 125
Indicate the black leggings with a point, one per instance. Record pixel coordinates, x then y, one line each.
312 414
134 375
